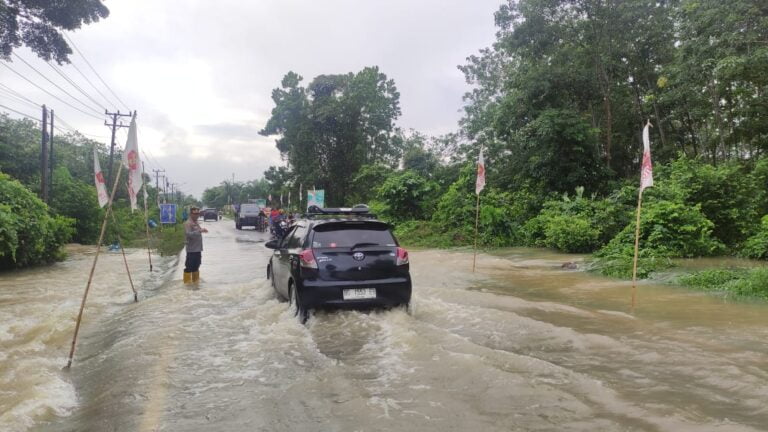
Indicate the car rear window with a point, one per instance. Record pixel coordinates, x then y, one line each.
350 234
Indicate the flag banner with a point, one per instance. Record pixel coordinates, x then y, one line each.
646 174
269 198
281 199
480 182
316 198
101 184
133 163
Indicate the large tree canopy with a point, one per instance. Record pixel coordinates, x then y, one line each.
331 128
38 25
694 68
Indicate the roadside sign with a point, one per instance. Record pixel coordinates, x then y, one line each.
261 202
168 213
316 197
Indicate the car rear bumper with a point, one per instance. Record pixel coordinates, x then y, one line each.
249 220
317 294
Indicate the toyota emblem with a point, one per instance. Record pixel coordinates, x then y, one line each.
358 256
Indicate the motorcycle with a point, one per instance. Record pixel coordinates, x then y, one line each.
279 230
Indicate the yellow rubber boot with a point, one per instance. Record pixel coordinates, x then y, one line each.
187 277
195 277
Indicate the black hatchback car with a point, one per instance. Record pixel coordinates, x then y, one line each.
339 258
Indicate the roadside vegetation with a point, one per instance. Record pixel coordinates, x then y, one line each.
31 231
557 103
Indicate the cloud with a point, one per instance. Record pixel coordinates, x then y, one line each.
237 131
201 73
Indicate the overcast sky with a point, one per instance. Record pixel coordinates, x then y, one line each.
201 73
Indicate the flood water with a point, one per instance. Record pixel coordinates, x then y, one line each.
520 345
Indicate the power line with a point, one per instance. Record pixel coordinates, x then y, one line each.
19 113
19 95
55 85
94 71
73 83
49 93
109 102
18 99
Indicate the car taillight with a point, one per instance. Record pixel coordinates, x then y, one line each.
307 259
402 256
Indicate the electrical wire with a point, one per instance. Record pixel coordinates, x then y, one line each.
49 93
109 102
94 71
56 85
19 95
73 83
17 99
20 113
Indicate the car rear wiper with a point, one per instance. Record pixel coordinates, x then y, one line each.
357 245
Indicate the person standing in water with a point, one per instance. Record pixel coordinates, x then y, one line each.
193 243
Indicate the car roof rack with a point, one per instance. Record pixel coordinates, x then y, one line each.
361 211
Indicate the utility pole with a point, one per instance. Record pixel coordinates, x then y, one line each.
157 184
50 179
165 189
44 158
114 126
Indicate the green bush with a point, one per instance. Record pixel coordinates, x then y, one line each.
502 214
678 230
28 233
757 245
407 196
727 194
617 262
667 230
77 200
570 234
577 224
425 234
739 282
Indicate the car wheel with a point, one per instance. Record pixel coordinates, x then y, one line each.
237 225
294 305
408 308
271 277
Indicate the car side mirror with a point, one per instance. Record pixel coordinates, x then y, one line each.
272 244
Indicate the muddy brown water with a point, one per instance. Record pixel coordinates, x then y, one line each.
521 344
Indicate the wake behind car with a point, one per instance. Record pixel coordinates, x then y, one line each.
339 258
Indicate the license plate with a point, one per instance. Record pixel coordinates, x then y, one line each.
359 293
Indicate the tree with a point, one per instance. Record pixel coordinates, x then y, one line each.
334 126
38 25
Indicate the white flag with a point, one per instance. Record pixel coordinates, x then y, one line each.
480 182
101 188
132 161
646 173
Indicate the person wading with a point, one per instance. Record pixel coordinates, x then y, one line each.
193 242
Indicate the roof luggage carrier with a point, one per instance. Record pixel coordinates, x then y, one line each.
360 210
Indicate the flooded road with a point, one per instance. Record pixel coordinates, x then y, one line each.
520 345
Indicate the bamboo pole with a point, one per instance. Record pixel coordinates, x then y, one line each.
637 243
477 220
93 267
125 259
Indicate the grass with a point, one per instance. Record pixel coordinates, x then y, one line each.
427 234
730 282
169 241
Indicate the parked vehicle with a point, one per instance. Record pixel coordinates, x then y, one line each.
247 215
339 258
